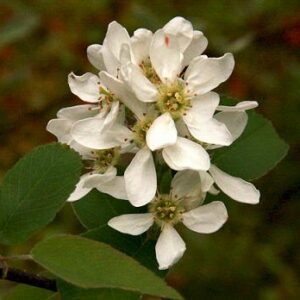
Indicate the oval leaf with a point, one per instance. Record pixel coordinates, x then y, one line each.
90 264
35 189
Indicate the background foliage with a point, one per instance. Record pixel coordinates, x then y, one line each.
256 255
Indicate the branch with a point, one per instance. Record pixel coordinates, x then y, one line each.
20 276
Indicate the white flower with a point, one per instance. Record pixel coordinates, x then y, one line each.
168 210
102 173
159 81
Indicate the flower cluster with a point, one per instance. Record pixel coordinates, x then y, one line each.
151 104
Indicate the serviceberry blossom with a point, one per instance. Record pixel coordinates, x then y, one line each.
151 104
166 211
101 172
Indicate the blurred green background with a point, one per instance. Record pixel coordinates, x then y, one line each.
256 255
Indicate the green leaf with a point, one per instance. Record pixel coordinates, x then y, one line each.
139 247
256 152
27 292
96 209
90 264
71 292
35 189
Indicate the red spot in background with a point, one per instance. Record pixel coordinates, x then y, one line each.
56 25
7 53
291 30
238 87
167 41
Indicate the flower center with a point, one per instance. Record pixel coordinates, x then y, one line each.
140 130
166 209
105 158
106 98
173 98
149 71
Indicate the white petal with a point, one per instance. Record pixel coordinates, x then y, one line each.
121 134
140 85
203 108
236 188
235 121
128 98
162 132
206 181
86 86
205 74
125 55
241 106
61 129
112 63
133 224
195 48
140 178
95 180
169 247
182 29
206 218
85 152
115 37
94 54
115 188
78 112
211 132
112 116
89 133
140 43
80 191
165 55
186 185
186 154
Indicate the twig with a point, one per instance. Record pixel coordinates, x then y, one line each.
20 276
